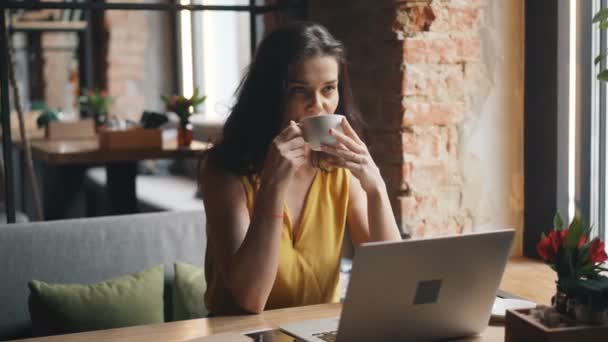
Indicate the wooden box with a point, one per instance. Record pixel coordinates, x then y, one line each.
62 130
134 138
521 327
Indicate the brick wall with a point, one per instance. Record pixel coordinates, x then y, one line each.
128 36
58 50
140 60
412 64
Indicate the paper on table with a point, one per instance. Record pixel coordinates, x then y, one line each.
501 305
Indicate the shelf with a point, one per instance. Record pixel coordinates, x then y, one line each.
48 26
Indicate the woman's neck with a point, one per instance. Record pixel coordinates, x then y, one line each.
305 171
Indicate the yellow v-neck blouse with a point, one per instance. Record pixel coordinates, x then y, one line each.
309 262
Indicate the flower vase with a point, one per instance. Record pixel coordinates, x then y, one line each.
563 302
184 135
560 302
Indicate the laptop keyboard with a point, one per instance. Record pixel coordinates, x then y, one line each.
329 336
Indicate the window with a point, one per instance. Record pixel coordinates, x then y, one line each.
587 117
215 50
598 127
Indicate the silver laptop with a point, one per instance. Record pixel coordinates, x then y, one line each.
417 290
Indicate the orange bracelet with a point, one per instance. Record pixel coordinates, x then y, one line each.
277 216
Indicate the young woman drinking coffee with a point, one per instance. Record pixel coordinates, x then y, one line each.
275 222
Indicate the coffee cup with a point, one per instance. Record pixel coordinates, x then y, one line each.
315 129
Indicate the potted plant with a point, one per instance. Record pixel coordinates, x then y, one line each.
578 262
96 104
183 107
46 116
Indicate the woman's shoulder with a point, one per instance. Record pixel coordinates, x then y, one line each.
212 178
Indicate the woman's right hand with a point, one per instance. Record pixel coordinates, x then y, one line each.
286 154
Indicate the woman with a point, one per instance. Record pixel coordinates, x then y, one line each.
275 223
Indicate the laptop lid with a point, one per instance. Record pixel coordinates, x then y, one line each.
424 289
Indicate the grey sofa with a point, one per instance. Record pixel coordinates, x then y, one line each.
91 250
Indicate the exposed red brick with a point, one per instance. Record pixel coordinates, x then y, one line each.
438 227
456 18
434 82
427 176
441 49
416 113
432 142
127 48
414 17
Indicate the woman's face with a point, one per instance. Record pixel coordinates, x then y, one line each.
312 89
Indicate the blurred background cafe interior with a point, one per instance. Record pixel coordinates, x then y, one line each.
118 106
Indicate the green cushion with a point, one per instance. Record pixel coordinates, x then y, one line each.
133 299
189 292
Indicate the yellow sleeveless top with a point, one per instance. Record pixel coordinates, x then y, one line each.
309 262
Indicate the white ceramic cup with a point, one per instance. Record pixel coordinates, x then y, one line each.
316 129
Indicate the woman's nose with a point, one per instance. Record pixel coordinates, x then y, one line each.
316 105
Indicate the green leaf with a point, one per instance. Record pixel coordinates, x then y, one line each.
199 101
558 221
588 271
543 236
604 25
603 76
195 93
575 231
600 16
584 254
599 58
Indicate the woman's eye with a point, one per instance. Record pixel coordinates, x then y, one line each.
329 88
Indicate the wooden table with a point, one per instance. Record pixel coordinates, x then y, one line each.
523 277
121 165
87 151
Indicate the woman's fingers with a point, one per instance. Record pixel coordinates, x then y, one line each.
355 168
345 154
294 144
350 132
290 132
348 142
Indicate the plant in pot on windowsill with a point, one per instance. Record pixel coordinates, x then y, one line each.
183 107
582 292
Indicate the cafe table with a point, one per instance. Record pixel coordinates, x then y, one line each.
523 277
120 164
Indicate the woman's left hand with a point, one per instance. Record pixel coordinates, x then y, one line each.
352 154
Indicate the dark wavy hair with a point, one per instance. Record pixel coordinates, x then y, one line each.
257 115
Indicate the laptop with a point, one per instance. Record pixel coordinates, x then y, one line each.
417 290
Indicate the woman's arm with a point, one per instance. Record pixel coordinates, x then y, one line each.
370 217
247 251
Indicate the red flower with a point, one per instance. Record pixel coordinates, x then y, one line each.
583 240
547 248
597 252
